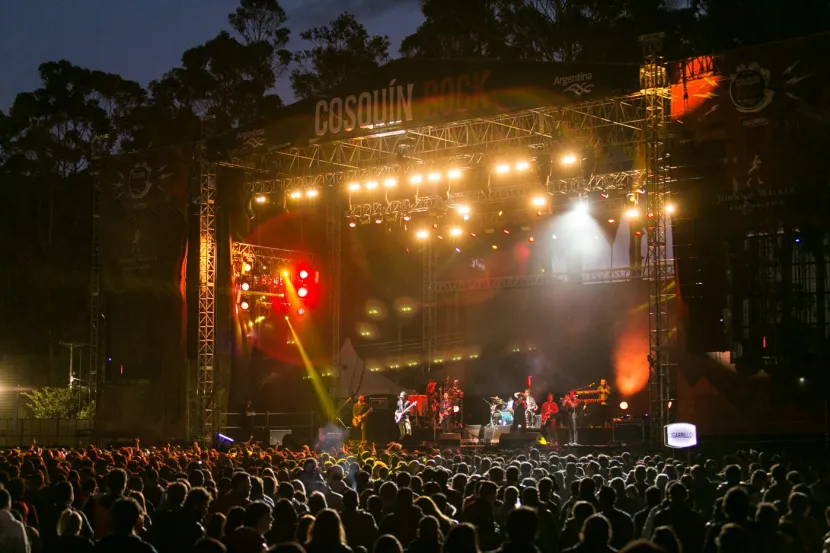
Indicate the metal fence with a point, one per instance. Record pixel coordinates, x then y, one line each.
20 432
303 425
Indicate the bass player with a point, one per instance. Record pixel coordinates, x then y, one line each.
360 411
402 415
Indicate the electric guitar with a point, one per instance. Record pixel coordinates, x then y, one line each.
361 417
444 414
399 414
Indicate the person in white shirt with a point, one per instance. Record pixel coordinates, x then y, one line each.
12 532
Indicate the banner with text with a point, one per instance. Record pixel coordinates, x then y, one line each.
769 107
411 93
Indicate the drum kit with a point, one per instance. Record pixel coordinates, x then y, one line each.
501 412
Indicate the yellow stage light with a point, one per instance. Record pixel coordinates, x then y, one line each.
371 185
568 159
539 201
354 187
522 166
632 213
416 179
260 199
390 182
434 177
455 231
422 234
502 169
295 195
463 210
311 193
454 174
670 209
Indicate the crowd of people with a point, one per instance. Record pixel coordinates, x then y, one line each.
252 499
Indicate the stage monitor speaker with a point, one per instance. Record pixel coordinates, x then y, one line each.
522 439
629 432
593 435
450 439
277 437
492 434
471 432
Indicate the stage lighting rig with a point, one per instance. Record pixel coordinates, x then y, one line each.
261 199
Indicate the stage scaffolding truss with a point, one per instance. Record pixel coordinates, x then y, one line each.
619 131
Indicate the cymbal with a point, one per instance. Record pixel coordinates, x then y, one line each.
496 398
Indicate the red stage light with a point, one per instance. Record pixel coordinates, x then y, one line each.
539 213
302 291
303 274
638 233
300 311
650 215
611 221
531 240
472 235
506 231
435 225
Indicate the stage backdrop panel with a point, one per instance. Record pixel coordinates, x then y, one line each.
143 210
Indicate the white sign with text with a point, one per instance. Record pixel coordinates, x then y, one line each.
680 435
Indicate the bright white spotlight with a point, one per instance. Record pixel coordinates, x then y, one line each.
454 174
244 305
246 267
434 177
245 286
303 274
421 234
670 209
581 206
390 182
260 199
623 405
568 159
455 231
295 195
302 291
463 210
354 187
352 224
311 193
371 185
416 179
632 213
539 201
502 169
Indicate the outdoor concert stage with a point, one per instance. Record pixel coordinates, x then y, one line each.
495 220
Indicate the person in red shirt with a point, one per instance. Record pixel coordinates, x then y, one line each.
549 411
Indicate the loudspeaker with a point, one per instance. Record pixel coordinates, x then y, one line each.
471 432
629 432
451 439
493 434
277 437
523 439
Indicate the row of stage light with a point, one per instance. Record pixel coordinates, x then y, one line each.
632 213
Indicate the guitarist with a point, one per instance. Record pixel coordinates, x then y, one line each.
403 407
360 408
445 413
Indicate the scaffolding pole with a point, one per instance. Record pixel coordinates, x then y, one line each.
654 84
334 240
207 288
429 316
96 304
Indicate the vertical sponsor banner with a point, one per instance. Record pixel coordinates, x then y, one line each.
143 226
768 104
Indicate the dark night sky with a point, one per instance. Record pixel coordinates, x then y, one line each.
142 39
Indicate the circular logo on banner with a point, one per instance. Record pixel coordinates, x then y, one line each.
749 89
140 181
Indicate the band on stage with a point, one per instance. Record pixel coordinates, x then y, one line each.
441 409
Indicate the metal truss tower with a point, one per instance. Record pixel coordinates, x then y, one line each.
654 85
205 424
96 303
334 228
428 300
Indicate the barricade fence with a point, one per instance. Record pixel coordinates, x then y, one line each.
302 424
22 432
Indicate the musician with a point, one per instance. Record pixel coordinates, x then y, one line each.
358 409
404 427
549 411
520 409
532 408
571 403
604 393
445 413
